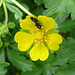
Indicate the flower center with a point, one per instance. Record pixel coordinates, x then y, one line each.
39 35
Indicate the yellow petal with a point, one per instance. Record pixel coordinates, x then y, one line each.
48 23
39 51
44 53
55 38
28 23
24 46
24 40
23 36
53 41
53 46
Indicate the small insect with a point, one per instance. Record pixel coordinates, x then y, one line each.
33 19
36 22
38 25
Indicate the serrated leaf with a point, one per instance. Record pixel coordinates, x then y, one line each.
11 25
0 3
1 24
2 55
38 2
9 1
4 64
67 50
47 71
54 15
19 61
65 54
39 11
14 46
45 2
15 10
73 33
52 7
66 70
25 6
1 43
66 26
34 72
2 67
60 6
71 8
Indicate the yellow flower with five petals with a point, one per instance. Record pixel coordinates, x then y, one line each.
40 37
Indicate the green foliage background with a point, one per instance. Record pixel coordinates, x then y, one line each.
14 62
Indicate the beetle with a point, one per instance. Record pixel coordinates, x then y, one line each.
36 22
38 25
33 19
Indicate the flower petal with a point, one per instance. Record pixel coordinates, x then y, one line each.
53 41
39 51
48 23
28 23
53 46
24 40
23 36
24 46
55 38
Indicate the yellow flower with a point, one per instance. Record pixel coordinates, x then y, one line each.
45 35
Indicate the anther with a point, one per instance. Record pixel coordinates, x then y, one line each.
42 43
45 40
42 27
35 40
42 30
41 40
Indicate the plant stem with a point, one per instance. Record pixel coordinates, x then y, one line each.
6 14
20 6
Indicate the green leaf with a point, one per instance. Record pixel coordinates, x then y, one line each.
71 8
2 55
57 60
39 11
52 7
19 61
65 54
34 72
4 30
2 67
66 70
73 33
15 10
45 2
47 71
0 3
62 19
38 2
1 24
9 1
1 43
66 26
54 15
25 6
14 47
67 50
4 64
11 25
60 6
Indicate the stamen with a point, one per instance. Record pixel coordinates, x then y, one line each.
42 43
35 40
45 40
42 27
41 40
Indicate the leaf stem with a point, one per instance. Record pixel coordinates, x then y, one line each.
21 7
6 14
